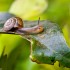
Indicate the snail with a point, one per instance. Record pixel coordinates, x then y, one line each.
15 24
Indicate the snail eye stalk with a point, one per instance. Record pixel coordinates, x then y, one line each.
38 20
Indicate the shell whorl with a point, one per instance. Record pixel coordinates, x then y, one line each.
14 22
9 24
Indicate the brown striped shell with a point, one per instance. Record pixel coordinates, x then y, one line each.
14 22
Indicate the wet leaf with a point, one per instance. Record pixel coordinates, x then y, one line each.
50 46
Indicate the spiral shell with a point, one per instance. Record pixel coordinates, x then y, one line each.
14 22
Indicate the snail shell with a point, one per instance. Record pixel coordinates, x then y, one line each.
14 22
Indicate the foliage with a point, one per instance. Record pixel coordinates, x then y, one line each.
28 8
57 11
5 5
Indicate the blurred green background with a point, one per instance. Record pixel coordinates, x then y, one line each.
17 48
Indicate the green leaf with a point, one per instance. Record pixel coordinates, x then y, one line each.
50 46
5 4
27 9
16 54
58 11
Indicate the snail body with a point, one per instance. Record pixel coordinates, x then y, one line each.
15 24
33 30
